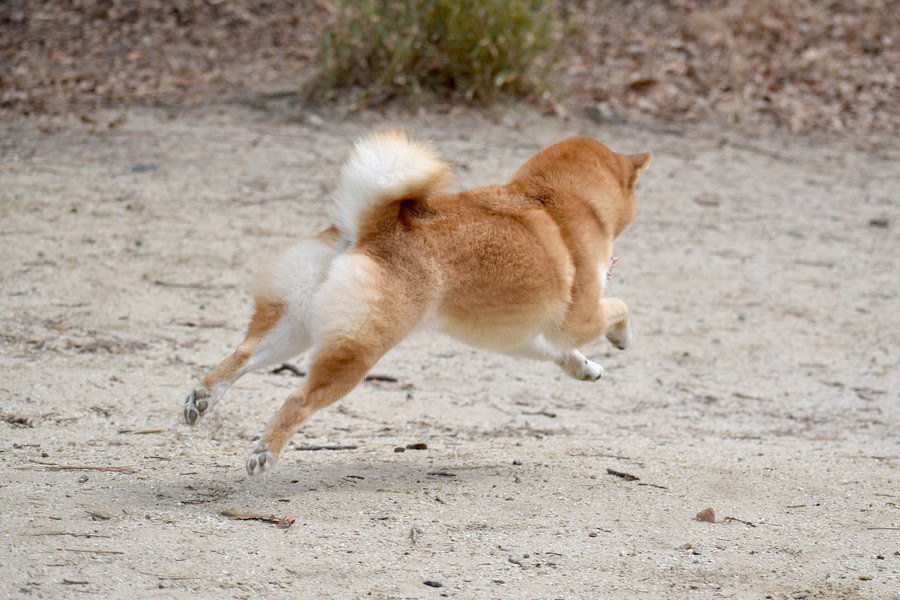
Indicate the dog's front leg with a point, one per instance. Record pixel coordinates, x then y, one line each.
607 317
572 362
616 324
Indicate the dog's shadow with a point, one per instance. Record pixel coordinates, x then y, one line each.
299 484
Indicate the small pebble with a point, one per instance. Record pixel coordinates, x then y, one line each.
417 446
82 479
592 534
434 584
399 449
518 462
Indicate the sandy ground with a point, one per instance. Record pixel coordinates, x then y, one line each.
763 280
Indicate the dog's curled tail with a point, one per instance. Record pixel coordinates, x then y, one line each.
385 169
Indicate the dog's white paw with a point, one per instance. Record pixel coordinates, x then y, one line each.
620 337
260 460
591 371
196 404
582 369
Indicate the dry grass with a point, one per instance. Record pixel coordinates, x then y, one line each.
472 50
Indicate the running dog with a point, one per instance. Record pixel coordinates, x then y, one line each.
517 268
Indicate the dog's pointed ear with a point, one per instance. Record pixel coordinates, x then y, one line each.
639 162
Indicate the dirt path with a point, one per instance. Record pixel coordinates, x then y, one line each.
763 279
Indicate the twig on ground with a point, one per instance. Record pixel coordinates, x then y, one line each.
748 396
301 373
543 413
84 535
280 522
736 520
167 576
90 551
385 378
57 467
143 431
330 447
193 286
625 476
656 485
290 368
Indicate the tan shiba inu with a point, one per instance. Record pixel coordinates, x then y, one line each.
518 268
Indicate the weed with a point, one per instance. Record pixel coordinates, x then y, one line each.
475 50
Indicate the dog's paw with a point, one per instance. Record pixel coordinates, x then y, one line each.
589 371
260 460
195 405
620 337
581 368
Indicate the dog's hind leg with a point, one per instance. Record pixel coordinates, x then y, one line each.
280 327
362 310
272 337
572 362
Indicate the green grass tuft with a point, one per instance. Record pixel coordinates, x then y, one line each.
474 50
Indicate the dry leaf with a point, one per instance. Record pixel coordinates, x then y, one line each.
707 515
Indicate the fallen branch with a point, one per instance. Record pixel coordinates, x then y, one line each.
280 522
334 447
